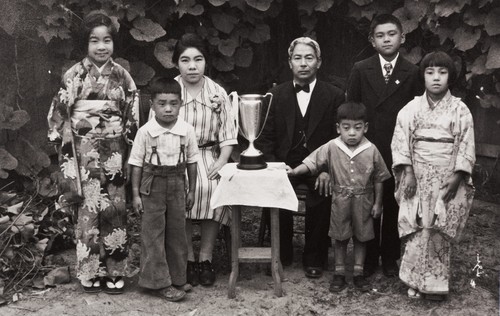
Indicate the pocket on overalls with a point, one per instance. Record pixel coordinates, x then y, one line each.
146 183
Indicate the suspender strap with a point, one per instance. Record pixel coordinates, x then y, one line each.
154 146
182 152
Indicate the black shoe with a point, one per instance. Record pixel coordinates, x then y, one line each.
338 283
192 273
361 284
313 272
369 269
207 273
390 269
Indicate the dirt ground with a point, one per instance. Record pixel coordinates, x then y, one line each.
302 296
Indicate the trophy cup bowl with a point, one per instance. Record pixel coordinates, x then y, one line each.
250 126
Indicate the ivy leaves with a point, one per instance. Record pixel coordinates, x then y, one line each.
146 30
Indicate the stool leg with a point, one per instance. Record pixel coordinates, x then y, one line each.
276 268
235 244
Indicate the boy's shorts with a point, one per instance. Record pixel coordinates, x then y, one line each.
351 216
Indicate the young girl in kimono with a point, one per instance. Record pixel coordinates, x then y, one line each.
93 120
433 154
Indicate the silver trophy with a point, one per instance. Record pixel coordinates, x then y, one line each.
250 126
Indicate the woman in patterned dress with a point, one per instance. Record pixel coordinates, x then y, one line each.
207 108
433 154
93 120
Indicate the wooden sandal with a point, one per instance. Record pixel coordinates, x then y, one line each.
414 294
113 286
92 285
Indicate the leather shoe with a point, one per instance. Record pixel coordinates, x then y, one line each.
313 272
390 269
338 283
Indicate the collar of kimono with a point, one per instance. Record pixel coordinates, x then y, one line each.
103 70
365 145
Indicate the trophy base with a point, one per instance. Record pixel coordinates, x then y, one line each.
252 162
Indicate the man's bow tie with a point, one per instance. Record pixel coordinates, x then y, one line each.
299 88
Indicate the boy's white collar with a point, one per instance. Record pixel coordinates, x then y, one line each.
365 145
154 129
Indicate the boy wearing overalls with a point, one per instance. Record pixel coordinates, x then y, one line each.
163 150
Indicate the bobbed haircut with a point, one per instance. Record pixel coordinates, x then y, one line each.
189 40
164 85
439 59
92 20
384 19
352 111
306 41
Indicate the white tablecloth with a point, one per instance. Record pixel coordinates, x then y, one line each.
268 187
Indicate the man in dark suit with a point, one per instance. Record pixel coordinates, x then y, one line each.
302 118
384 83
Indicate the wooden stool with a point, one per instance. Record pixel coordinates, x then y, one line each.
255 254
301 191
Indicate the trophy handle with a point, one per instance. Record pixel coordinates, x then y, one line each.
267 113
235 100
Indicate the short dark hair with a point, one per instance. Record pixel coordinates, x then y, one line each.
384 19
189 40
164 85
352 111
90 22
439 59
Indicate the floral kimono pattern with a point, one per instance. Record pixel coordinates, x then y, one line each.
94 118
437 141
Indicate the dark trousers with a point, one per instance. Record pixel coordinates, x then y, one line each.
317 224
386 243
163 232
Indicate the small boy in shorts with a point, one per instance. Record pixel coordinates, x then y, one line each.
164 148
357 171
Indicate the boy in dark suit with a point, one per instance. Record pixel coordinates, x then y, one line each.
384 82
302 118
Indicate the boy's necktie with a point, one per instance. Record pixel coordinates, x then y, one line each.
388 69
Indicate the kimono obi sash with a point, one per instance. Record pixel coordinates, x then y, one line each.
97 119
433 147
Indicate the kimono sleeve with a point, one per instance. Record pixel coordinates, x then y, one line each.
318 160
131 108
464 134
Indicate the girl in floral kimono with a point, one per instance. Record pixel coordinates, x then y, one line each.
206 106
94 119
433 154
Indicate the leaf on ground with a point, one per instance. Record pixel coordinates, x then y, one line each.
15 209
31 159
13 120
7 162
146 30
3 300
164 51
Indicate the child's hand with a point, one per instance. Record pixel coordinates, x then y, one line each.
213 171
189 200
323 184
289 170
376 210
410 185
137 205
451 186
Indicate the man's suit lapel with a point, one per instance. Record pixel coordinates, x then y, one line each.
375 76
290 105
401 73
316 107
